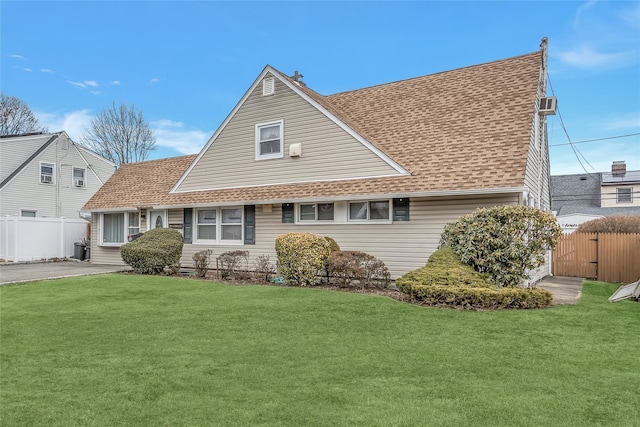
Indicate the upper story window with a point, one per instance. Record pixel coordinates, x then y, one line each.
79 178
624 195
316 211
269 140
374 210
47 173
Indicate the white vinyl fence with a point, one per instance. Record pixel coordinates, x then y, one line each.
31 239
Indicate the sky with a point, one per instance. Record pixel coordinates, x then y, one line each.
186 64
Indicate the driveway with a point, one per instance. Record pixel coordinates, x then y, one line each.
30 271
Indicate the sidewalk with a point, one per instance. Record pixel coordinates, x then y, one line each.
565 290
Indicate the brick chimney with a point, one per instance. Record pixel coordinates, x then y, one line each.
618 168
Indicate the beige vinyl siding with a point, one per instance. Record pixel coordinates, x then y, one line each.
328 152
15 151
609 196
102 254
403 246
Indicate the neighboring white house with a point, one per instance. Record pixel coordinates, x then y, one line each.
578 198
380 169
48 175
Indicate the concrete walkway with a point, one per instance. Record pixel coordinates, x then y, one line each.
30 271
565 290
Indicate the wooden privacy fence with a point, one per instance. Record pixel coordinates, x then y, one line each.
609 257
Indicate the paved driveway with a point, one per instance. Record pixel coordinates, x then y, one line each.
30 271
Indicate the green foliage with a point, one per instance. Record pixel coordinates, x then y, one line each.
479 298
231 263
156 251
444 268
504 241
333 245
301 257
201 262
612 224
354 268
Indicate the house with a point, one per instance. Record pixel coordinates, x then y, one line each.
48 175
579 198
380 169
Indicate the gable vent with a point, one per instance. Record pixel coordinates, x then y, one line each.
268 86
548 106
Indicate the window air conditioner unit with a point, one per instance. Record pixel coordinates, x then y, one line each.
548 106
78 182
47 179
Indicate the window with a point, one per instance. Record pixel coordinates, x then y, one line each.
316 212
206 224
134 223
624 195
113 228
231 224
78 178
269 140
28 213
369 211
219 225
47 173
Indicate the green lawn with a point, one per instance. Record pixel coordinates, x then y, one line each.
137 350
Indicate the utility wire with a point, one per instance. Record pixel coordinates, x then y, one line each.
596 139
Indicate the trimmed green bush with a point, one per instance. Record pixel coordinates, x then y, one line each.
156 251
354 268
504 241
333 245
301 257
480 298
444 268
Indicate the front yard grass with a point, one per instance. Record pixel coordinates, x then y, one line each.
141 350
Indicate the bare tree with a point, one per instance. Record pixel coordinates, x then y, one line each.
16 117
120 134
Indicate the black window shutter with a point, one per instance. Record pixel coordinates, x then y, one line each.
401 209
250 225
188 225
287 213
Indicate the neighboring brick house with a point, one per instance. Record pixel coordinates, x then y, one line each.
579 198
380 169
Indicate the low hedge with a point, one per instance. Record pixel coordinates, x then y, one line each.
446 281
479 298
444 268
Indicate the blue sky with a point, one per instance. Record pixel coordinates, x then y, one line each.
186 64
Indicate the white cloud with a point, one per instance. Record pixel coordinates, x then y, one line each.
629 121
46 70
172 134
154 80
91 83
74 122
77 84
115 83
28 70
586 57
17 57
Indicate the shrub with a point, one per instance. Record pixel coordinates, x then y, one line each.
333 245
301 257
201 262
444 268
480 298
504 241
611 224
263 268
156 251
353 268
231 263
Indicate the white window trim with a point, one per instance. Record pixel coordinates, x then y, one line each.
53 173
128 228
218 240
630 190
368 220
257 140
316 220
124 230
73 177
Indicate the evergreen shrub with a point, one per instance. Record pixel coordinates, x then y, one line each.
301 257
156 251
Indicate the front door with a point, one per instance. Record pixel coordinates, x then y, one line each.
157 219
